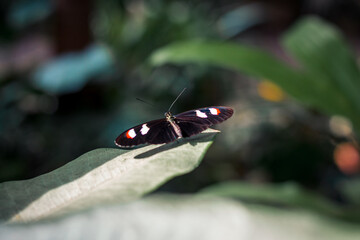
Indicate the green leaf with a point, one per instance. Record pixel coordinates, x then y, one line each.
186 217
328 80
320 48
332 67
350 188
286 194
229 55
101 176
248 60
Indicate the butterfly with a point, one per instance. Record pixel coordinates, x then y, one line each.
172 127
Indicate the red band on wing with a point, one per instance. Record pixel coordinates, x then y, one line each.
128 135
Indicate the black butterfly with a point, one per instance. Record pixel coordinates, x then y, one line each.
171 127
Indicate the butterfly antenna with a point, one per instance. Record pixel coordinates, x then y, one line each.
176 99
152 105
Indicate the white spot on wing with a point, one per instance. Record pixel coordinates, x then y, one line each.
144 130
214 111
132 133
200 114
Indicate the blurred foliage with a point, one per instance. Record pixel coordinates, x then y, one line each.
350 188
134 29
283 195
313 40
186 217
54 77
328 67
22 13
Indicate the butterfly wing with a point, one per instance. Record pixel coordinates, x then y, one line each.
153 132
195 121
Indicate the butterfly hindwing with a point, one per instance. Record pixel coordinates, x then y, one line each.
189 128
195 121
153 132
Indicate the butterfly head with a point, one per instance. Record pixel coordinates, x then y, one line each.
169 116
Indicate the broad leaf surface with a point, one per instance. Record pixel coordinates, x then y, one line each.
101 176
186 217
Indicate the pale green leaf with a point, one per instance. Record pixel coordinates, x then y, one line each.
186 217
101 176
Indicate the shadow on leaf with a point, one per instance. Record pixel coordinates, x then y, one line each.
203 137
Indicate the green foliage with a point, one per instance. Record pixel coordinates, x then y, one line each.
101 176
135 29
328 78
351 189
286 194
186 217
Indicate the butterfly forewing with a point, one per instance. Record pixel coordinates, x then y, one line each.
153 132
195 121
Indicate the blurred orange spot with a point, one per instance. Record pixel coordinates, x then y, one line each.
270 91
347 158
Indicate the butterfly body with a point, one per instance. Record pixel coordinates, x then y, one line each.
172 127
